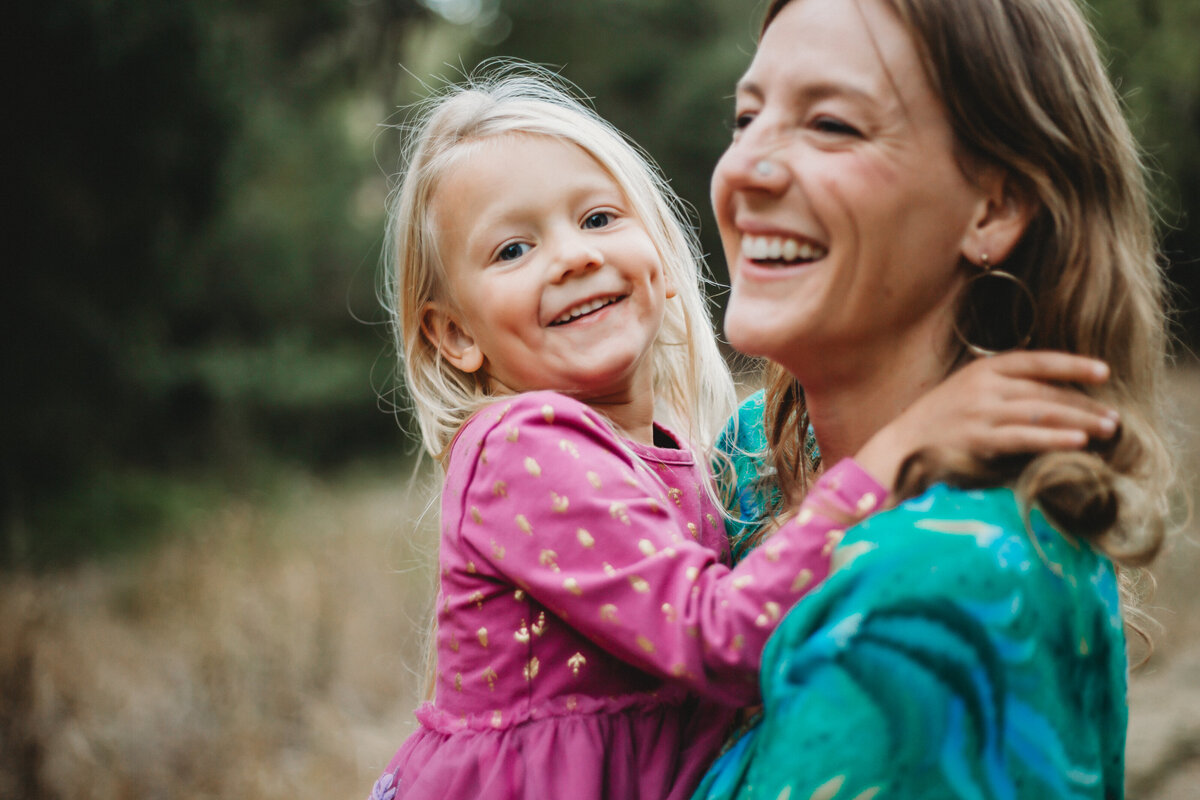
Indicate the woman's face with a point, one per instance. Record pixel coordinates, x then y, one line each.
842 209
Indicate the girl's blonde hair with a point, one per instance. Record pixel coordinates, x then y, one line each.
1026 90
693 389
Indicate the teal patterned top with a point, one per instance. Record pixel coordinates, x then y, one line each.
954 652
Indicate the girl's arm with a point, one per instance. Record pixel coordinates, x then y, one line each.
558 506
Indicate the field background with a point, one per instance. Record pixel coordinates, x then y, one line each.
271 650
214 573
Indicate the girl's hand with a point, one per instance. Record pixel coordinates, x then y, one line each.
1003 405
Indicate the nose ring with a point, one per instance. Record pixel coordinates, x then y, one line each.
764 168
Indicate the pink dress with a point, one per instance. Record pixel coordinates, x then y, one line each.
591 642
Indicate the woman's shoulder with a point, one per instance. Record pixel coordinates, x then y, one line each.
962 538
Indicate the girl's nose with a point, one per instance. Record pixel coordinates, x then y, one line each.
576 255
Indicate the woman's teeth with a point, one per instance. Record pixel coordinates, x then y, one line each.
583 308
780 248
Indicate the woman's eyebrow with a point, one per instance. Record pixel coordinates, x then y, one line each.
811 92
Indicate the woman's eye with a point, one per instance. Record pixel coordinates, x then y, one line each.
512 251
742 120
599 219
835 126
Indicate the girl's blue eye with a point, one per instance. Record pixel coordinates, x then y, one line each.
600 219
512 251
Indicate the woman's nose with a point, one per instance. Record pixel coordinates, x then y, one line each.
754 164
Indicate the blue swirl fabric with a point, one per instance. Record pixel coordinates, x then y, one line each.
960 649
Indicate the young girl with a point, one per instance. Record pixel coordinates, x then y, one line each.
591 642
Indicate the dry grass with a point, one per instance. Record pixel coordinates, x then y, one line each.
270 654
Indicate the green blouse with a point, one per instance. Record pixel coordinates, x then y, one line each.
959 649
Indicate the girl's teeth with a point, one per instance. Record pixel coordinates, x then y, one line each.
777 248
580 310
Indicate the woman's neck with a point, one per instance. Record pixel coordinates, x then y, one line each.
850 402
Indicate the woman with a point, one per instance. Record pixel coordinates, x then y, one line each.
913 183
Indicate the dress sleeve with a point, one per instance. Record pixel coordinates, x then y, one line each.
931 666
556 504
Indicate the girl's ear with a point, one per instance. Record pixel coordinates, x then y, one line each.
1002 215
456 344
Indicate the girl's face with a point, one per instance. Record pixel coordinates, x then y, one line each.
552 282
841 206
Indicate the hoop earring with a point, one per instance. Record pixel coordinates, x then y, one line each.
1022 321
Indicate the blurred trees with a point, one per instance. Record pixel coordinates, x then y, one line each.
200 194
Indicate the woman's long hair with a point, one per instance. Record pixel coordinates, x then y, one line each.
1026 90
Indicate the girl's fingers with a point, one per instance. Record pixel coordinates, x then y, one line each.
1016 393
1014 439
1057 415
1049 365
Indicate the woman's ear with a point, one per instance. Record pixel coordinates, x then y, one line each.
456 344
1003 213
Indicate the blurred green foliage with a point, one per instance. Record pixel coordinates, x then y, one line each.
201 189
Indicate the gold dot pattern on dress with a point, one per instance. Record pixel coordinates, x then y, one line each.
769 616
594 480
500 489
832 540
471 569
568 447
453 643
803 579
539 627
772 551
548 413
609 569
742 581
645 644
676 495
805 516
639 584
477 598
668 611
522 634
711 520
691 573
497 551
532 467
559 503
576 663
647 547
691 526
585 538
491 677
653 505
737 643
482 635
519 595
608 612
572 586
866 502
620 512
458 681
513 433
531 669
497 720
523 524
549 558
476 517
